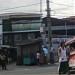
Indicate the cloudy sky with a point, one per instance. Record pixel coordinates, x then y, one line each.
60 8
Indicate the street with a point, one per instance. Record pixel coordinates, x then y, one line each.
31 70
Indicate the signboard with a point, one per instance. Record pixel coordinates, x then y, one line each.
41 29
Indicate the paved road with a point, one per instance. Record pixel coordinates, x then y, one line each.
30 70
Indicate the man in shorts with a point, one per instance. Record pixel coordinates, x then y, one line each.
63 66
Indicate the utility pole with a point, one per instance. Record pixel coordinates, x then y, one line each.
49 26
41 11
42 28
66 29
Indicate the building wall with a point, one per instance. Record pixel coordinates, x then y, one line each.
20 30
26 54
7 25
8 39
61 26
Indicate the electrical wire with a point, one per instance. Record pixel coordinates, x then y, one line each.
62 8
38 4
61 4
21 6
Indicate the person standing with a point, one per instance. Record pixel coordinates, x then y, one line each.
3 61
52 55
45 54
38 57
63 61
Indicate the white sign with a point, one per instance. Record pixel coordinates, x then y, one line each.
41 29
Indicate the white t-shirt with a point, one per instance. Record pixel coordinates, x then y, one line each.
38 55
63 55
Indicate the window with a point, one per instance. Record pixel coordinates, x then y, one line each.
29 25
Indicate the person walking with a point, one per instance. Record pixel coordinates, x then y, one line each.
3 61
63 61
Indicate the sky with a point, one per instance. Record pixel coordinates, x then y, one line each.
59 8
64 8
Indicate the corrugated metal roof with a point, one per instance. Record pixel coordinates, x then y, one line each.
19 14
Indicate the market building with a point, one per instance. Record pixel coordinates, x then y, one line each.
21 28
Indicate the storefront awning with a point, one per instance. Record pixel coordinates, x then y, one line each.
6 46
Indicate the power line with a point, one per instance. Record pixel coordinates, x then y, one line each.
62 8
55 13
63 15
60 13
66 13
36 4
68 7
59 16
54 10
22 6
62 4
38 11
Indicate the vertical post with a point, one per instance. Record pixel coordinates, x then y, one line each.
43 34
41 11
66 29
49 26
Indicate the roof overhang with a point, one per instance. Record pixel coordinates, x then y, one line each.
6 46
30 42
19 15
